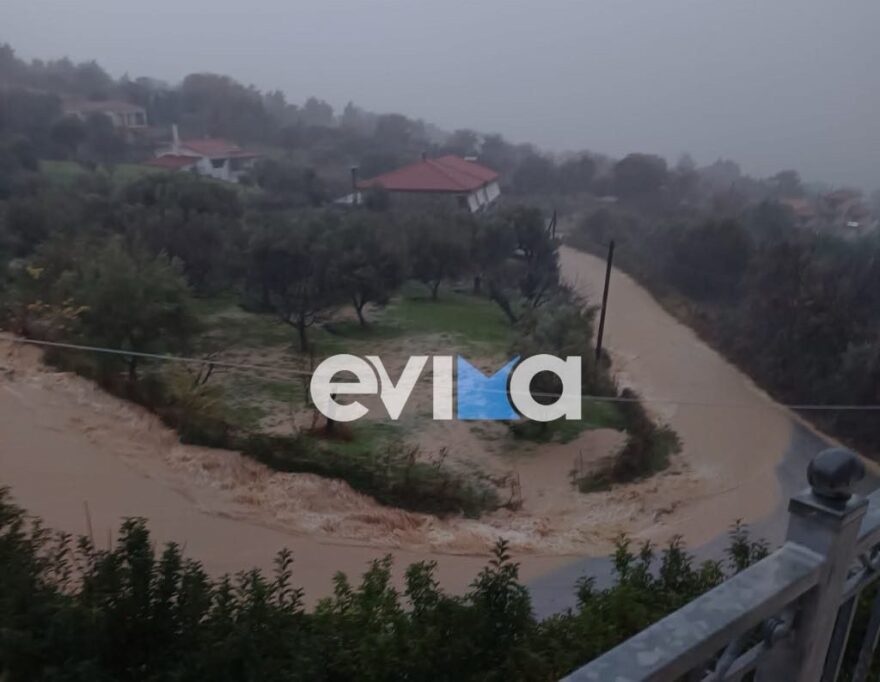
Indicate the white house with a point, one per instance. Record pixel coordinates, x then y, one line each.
450 179
211 157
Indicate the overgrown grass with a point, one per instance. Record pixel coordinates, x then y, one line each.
228 327
597 414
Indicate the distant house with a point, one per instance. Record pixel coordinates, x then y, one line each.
211 157
845 209
842 210
449 179
802 210
122 114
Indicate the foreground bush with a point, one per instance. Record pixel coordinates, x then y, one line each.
71 611
647 449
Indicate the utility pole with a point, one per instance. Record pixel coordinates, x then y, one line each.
604 301
551 228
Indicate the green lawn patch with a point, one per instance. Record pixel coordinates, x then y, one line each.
472 323
67 172
62 172
474 319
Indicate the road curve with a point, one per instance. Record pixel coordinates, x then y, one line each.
750 453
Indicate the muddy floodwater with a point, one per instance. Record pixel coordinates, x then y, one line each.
83 460
733 435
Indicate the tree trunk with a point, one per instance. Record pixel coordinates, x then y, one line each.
132 368
302 331
478 285
434 289
498 296
359 309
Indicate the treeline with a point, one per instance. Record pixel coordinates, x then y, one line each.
124 267
318 144
73 611
173 236
797 309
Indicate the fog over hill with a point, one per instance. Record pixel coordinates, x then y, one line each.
772 85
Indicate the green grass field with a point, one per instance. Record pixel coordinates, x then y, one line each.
467 324
471 323
67 172
462 322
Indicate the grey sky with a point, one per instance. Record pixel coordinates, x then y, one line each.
770 83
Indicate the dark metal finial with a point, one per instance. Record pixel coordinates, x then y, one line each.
833 473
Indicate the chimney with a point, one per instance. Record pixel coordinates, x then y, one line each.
354 185
175 139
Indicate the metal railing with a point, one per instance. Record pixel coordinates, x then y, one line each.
788 617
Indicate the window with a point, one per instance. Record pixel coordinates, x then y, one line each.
218 163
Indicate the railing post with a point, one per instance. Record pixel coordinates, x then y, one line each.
824 518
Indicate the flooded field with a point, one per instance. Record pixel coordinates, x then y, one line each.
83 460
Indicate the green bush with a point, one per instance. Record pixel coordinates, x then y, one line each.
392 476
646 451
70 611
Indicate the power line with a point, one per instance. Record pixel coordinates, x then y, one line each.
250 368
156 356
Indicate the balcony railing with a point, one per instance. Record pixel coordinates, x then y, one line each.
788 617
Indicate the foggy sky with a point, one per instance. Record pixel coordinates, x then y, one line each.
772 84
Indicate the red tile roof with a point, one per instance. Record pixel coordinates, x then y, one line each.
446 174
172 161
215 148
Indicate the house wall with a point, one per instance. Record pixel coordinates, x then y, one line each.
476 201
228 170
119 119
483 197
214 168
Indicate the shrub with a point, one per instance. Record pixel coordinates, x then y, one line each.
72 611
646 451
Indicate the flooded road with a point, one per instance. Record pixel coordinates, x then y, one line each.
750 453
83 460
733 435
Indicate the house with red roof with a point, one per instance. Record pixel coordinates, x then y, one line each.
449 179
212 157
